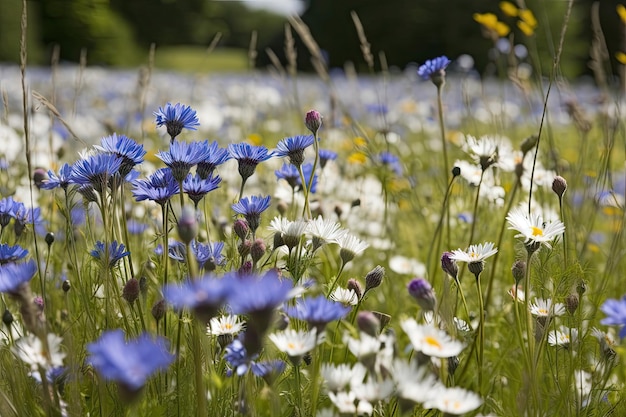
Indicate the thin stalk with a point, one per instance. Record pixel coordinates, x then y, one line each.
332 287
481 333
296 375
316 146
446 167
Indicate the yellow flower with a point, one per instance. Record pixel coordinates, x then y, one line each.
255 139
359 141
525 28
621 11
357 158
621 57
508 8
528 17
491 22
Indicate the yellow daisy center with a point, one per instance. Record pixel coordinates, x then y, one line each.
432 342
537 231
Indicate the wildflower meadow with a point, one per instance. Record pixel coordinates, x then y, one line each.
415 242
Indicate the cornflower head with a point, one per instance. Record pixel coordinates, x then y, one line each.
248 157
115 252
533 229
209 255
295 343
7 210
325 156
128 363
317 312
96 170
475 256
14 275
158 187
258 297
197 187
9 254
389 160
434 70
293 148
176 118
238 358
182 156
616 314
125 148
269 370
290 174
27 215
251 208
204 296
63 179
430 340
216 156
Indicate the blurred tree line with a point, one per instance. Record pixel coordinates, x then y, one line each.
120 32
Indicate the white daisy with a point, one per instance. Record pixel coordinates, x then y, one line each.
346 404
545 308
532 228
561 337
483 150
412 382
30 350
228 324
350 247
337 377
475 253
455 401
365 346
323 231
345 296
295 343
430 340
373 391
519 292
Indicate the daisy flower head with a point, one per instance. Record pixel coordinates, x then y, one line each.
615 311
295 343
350 247
324 231
293 148
228 324
475 256
345 296
563 337
430 340
413 382
176 118
453 401
533 229
434 70
546 308
33 352
484 150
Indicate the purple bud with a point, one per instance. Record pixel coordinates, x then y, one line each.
130 292
368 323
257 250
241 228
187 225
313 121
39 176
246 268
355 286
449 265
423 293
158 310
559 185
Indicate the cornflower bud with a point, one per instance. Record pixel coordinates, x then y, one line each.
374 278
158 310
130 292
187 225
368 323
313 121
355 286
257 249
241 228
423 293
518 270
449 265
559 185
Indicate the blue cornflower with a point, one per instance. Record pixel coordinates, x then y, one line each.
158 187
290 174
251 208
125 148
293 147
96 170
317 311
238 358
27 215
131 363
13 276
248 157
116 252
616 314
252 295
197 187
176 118
11 253
177 251
269 370
7 210
325 156
217 156
204 296
391 161
434 70
182 156
136 227
208 255
62 180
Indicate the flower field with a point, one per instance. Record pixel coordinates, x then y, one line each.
414 243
